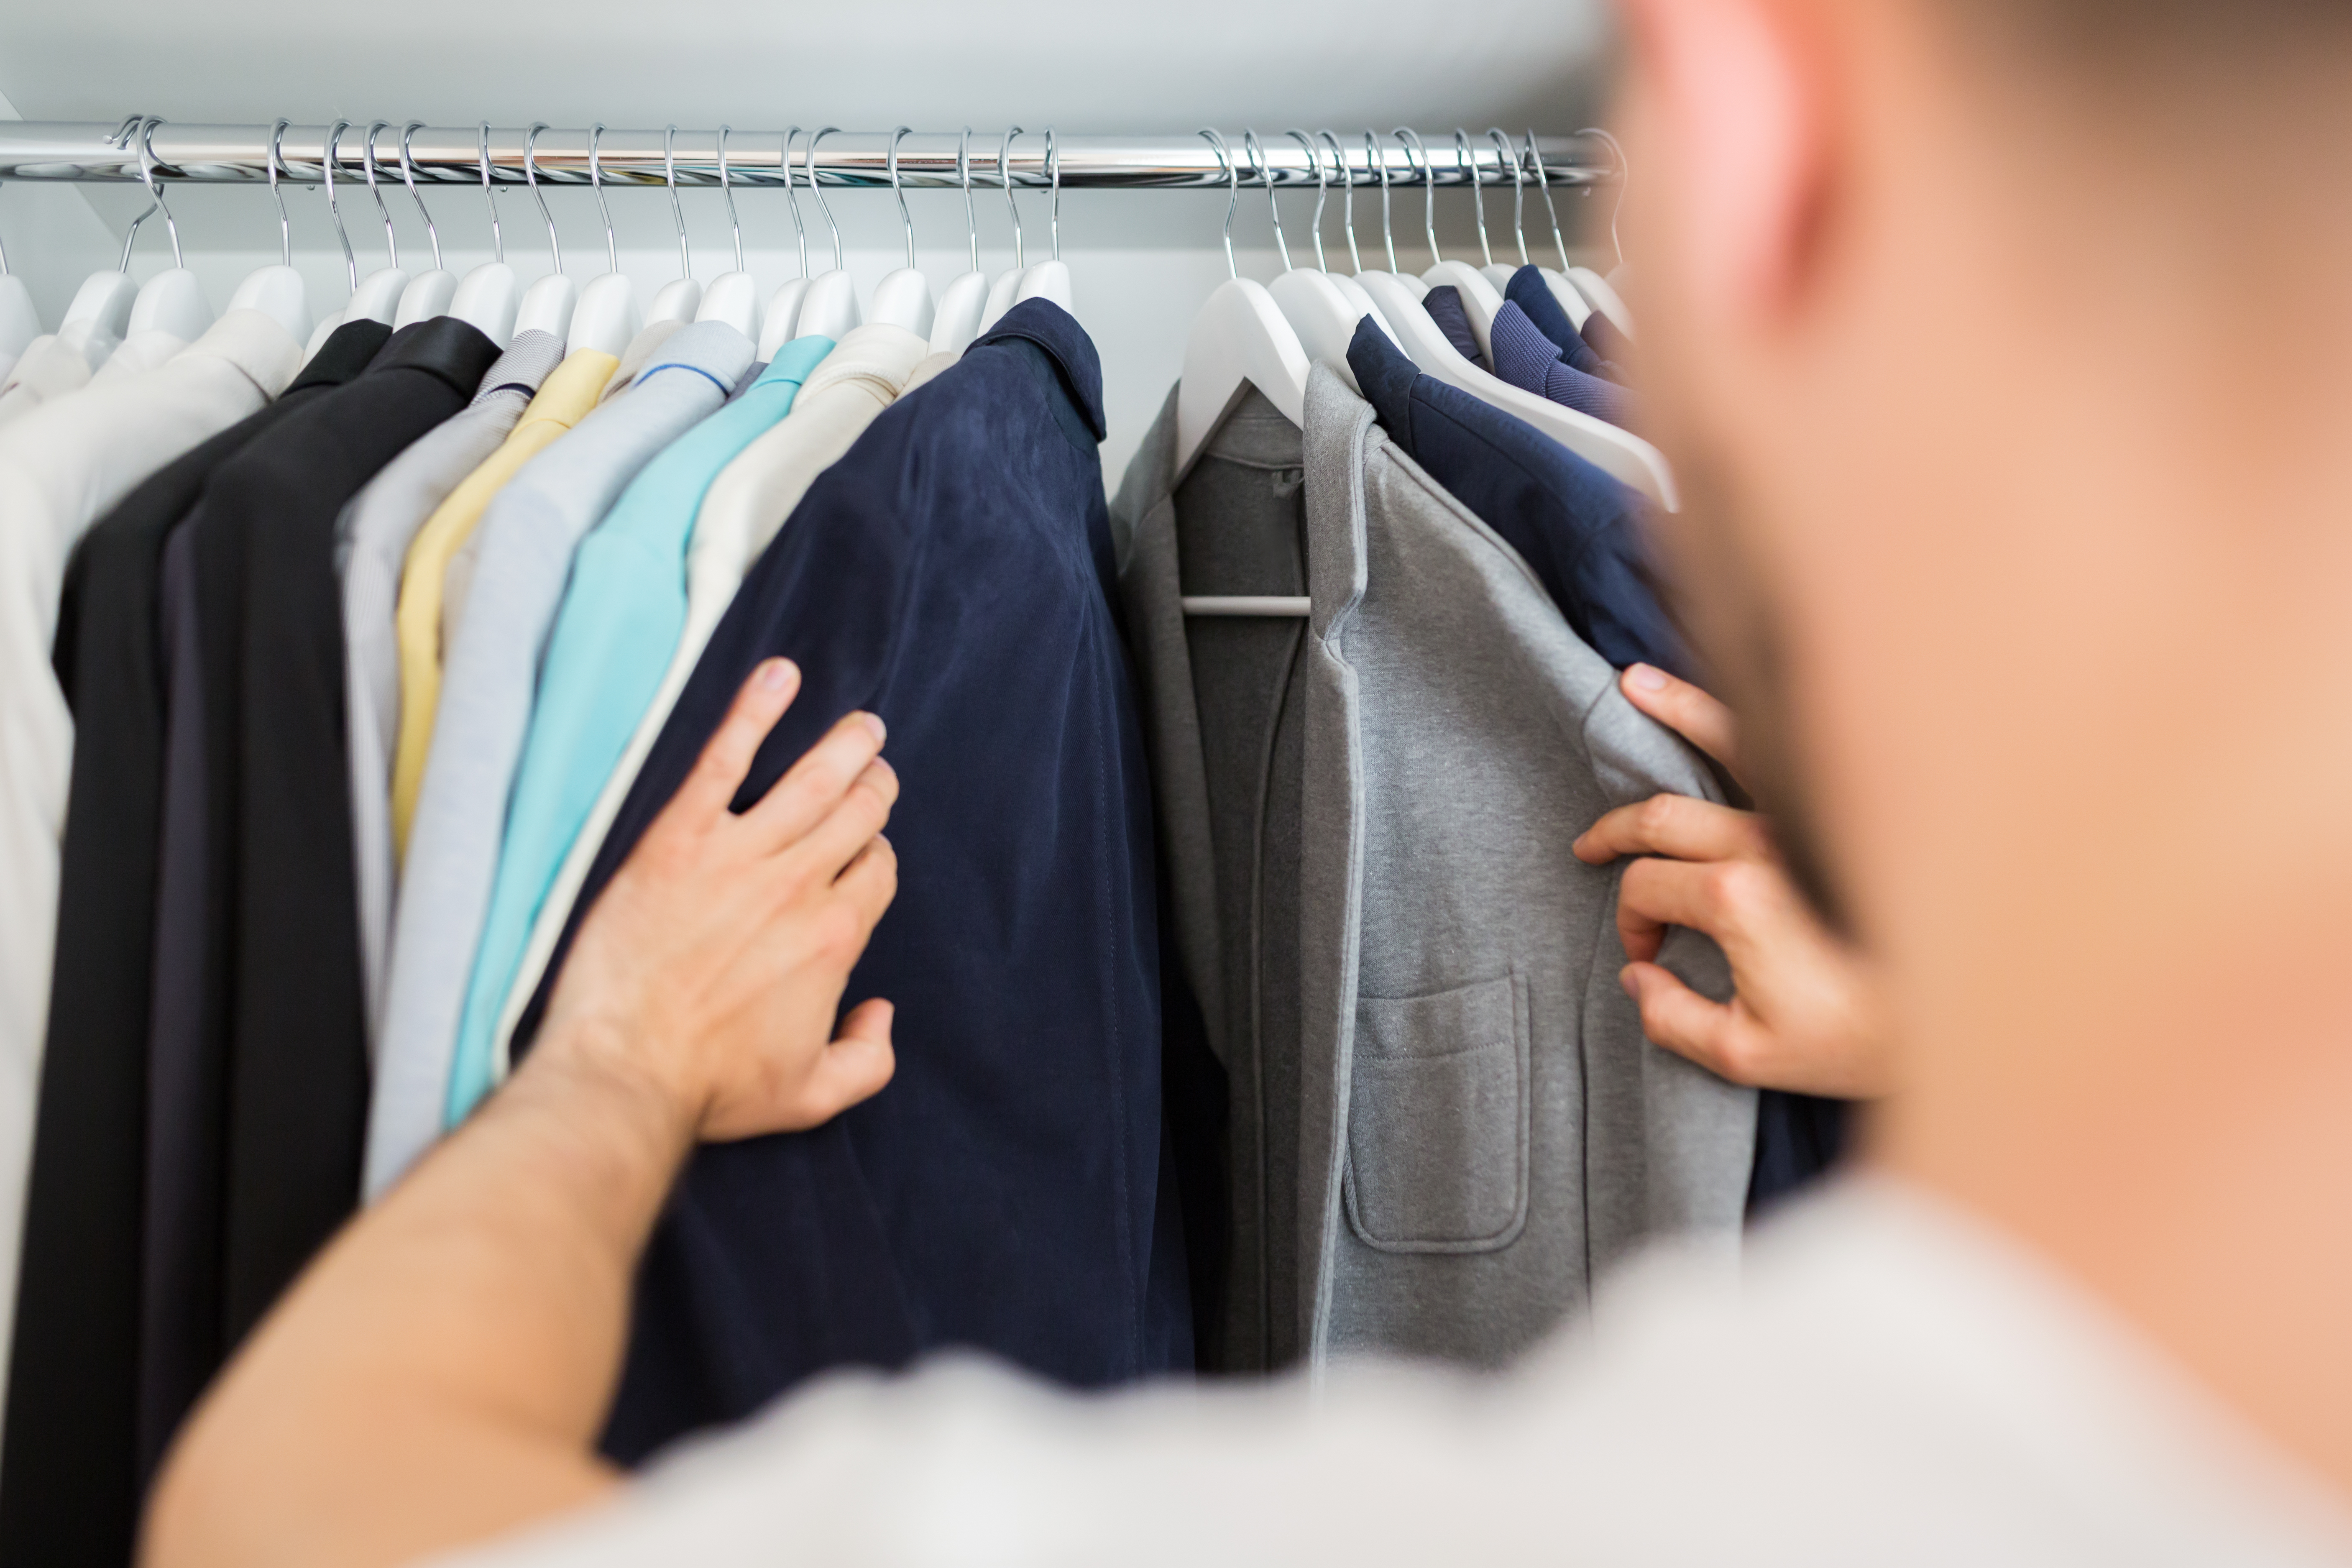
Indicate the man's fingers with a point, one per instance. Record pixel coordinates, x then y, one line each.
1722 1039
727 758
1685 709
870 882
854 1067
814 785
1677 827
1724 899
825 850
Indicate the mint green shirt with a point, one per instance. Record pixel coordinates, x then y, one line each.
623 615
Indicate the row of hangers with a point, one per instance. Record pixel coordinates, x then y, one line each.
1269 335
605 315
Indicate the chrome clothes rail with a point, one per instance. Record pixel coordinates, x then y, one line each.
231 155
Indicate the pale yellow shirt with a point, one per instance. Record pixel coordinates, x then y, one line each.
563 400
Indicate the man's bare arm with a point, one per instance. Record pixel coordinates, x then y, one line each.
440 1374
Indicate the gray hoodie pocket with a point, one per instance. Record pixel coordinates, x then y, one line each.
1437 1120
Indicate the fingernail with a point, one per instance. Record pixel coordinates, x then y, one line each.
1632 986
776 674
874 722
1647 678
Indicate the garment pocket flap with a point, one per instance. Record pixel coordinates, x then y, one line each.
1437 1120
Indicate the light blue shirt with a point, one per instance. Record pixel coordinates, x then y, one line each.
529 537
622 617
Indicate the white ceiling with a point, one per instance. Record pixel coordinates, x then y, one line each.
1083 64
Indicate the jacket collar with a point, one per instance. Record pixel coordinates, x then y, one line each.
1052 329
1387 378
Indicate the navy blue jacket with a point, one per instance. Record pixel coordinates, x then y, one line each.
952 573
1532 295
1579 529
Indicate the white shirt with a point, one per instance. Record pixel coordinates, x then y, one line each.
63 465
744 507
54 364
1896 1388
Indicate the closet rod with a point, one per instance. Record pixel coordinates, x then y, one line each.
99 151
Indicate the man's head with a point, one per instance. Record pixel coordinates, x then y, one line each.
2004 348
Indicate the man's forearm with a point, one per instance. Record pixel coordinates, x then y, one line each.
440 1374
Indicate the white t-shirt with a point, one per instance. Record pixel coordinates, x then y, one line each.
1894 1386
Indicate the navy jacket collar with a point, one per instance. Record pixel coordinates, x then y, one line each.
1051 327
1387 377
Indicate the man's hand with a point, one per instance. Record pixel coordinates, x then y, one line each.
1803 1015
716 959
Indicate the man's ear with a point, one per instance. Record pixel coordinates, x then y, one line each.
1729 94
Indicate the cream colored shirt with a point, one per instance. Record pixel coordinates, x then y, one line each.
747 503
562 401
53 365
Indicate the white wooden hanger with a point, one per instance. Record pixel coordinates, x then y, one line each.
19 323
1239 340
1577 308
784 305
1358 298
1002 293
679 300
607 316
377 295
173 300
903 298
1500 273
733 297
1376 158
1050 279
1322 316
428 293
548 305
100 312
829 308
277 291
1478 296
957 321
491 295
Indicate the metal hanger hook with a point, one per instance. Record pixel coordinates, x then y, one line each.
1376 152
155 191
1259 166
817 190
367 166
727 191
906 220
530 177
335 209
1054 177
1518 187
963 175
408 174
498 239
1232 195
1543 183
1346 197
1412 141
596 183
792 198
1623 175
1463 159
676 212
277 162
1316 160
1005 178
122 138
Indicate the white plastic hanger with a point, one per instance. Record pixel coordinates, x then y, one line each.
1500 273
173 300
607 316
679 300
1589 283
903 298
1357 295
377 296
829 308
784 305
957 321
1479 299
1007 287
733 297
428 293
1376 159
19 323
1240 339
1321 316
277 291
549 304
1050 279
491 295
1564 294
100 312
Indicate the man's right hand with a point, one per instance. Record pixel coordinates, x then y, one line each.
1804 1015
